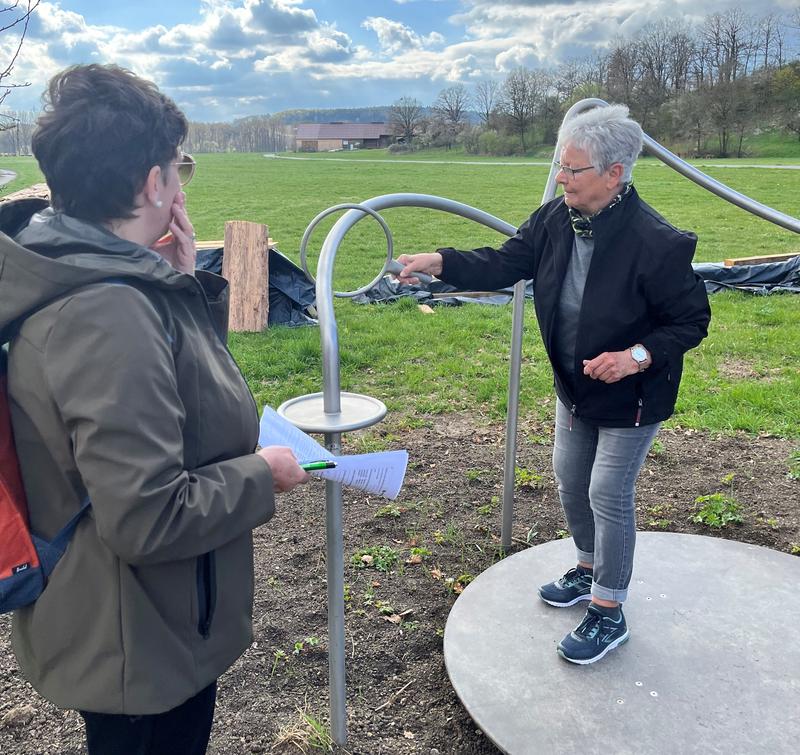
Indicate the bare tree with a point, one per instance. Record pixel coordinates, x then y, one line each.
452 104
15 19
520 96
405 115
451 109
487 94
623 71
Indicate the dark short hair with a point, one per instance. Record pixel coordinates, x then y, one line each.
102 130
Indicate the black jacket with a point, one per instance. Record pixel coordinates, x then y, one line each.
640 289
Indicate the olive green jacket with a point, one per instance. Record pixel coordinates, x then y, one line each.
122 389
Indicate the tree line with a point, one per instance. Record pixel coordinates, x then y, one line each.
705 88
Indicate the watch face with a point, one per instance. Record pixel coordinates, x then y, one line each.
639 353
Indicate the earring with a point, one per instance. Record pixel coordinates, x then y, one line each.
158 203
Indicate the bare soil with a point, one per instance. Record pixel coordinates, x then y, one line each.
399 698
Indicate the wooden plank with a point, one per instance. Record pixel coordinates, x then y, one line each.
760 259
246 266
201 245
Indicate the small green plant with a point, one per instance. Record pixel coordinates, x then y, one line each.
474 475
421 553
384 608
527 478
300 645
562 534
380 557
794 549
458 583
717 510
278 656
794 465
530 535
540 439
369 596
451 536
488 508
388 510
659 524
657 448
348 595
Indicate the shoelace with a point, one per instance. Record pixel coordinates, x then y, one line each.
570 578
590 626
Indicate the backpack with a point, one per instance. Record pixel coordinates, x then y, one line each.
25 559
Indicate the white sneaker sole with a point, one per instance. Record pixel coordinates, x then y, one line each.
565 605
586 661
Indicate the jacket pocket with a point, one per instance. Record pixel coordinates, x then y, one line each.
206 592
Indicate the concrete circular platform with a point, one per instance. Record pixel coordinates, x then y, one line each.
712 664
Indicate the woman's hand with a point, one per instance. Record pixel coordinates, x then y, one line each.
178 246
430 262
286 472
611 366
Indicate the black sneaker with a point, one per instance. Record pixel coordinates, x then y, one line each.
574 586
601 630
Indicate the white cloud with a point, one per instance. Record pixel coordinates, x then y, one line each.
281 17
395 37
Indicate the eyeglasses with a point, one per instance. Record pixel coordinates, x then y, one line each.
571 172
186 166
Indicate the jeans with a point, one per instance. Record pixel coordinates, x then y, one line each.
184 730
596 469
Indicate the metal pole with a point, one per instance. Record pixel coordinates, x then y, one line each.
335 570
512 411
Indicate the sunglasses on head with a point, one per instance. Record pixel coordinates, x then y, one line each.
186 166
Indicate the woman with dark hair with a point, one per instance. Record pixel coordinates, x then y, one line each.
126 401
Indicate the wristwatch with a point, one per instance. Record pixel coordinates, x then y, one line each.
639 355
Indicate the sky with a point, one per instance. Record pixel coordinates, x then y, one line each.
224 59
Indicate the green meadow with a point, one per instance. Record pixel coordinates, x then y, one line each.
743 377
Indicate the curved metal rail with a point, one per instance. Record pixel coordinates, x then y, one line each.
327 318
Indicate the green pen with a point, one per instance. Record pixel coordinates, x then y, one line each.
310 466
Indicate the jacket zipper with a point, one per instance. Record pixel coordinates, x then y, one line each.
206 592
639 413
571 416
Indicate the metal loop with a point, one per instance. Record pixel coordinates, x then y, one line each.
366 211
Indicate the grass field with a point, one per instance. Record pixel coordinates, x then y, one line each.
743 377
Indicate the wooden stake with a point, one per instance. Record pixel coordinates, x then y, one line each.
245 264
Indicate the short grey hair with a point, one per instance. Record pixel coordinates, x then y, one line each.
607 135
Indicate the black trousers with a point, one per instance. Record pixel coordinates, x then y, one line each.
184 730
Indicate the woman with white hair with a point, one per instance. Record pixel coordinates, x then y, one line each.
618 305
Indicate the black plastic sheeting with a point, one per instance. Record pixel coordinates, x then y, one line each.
766 278
388 289
291 293
763 279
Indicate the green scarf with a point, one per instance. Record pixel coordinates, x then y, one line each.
582 224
